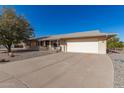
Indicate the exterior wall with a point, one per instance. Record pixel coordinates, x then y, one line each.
63 45
102 47
24 45
20 45
33 43
50 45
82 40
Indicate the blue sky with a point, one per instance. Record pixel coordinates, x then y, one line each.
50 20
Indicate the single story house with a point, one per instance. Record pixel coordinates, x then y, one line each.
79 42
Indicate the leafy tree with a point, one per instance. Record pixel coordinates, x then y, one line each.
114 43
13 28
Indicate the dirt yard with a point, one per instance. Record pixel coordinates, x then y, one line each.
22 54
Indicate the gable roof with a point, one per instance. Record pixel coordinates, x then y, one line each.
93 33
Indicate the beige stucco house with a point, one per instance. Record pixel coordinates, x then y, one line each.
79 42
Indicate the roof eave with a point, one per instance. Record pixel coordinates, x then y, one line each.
106 35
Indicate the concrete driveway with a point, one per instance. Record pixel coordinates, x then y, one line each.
61 70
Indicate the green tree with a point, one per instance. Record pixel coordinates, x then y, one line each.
114 43
13 28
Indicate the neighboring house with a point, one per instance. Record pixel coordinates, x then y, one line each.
79 42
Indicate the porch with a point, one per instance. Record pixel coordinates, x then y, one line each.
47 44
50 44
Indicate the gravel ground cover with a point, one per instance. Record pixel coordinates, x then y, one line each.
118 64
21 55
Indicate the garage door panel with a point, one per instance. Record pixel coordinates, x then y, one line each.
82 47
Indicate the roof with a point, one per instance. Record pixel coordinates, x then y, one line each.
43 37
32 38
93 33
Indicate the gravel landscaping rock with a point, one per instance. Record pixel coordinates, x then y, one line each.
118 63
21 55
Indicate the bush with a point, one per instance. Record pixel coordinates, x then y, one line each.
115 43
4 60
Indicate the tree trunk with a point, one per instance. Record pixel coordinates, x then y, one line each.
9 49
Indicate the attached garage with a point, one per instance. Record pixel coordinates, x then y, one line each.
82 47
95 45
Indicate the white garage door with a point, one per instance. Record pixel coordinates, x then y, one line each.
82 47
